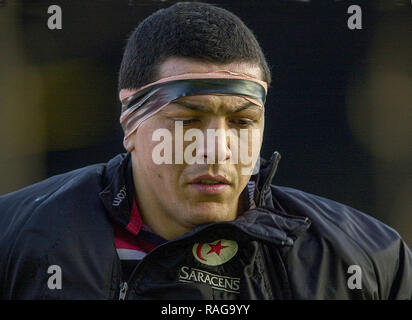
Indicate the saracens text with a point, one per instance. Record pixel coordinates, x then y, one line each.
225 283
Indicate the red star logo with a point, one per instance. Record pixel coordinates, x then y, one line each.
216 247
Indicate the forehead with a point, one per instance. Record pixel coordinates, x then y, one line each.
174 66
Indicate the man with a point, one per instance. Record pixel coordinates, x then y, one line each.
183 215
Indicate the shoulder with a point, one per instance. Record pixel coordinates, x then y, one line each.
63 183
327 215
49 219
353 238
36 194
54 198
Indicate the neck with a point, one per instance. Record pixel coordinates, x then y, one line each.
163 224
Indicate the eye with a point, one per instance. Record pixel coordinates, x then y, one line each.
243 122
187 122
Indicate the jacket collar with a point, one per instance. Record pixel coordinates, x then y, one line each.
263 180
118 193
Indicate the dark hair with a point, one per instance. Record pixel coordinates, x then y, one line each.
187 29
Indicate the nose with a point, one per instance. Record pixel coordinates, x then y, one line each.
216 148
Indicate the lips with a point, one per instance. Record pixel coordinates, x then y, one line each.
214 179
208 184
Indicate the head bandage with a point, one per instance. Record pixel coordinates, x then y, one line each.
139 105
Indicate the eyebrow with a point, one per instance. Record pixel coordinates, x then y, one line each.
197 107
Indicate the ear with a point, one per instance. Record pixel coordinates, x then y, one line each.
128 143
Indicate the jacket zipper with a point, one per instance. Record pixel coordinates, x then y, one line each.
123 290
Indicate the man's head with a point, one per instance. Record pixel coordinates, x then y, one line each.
193 30
184 39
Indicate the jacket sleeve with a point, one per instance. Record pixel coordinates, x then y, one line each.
401 288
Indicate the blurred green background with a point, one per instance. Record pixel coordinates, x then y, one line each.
339 110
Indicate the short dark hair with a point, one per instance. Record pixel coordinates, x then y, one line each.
188 29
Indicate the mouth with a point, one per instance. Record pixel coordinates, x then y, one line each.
208 184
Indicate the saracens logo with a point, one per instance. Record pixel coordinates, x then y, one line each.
215 253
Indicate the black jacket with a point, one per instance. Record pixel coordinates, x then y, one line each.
292 245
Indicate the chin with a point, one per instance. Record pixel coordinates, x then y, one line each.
209 213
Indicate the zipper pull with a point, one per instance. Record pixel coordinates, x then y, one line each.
123 290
